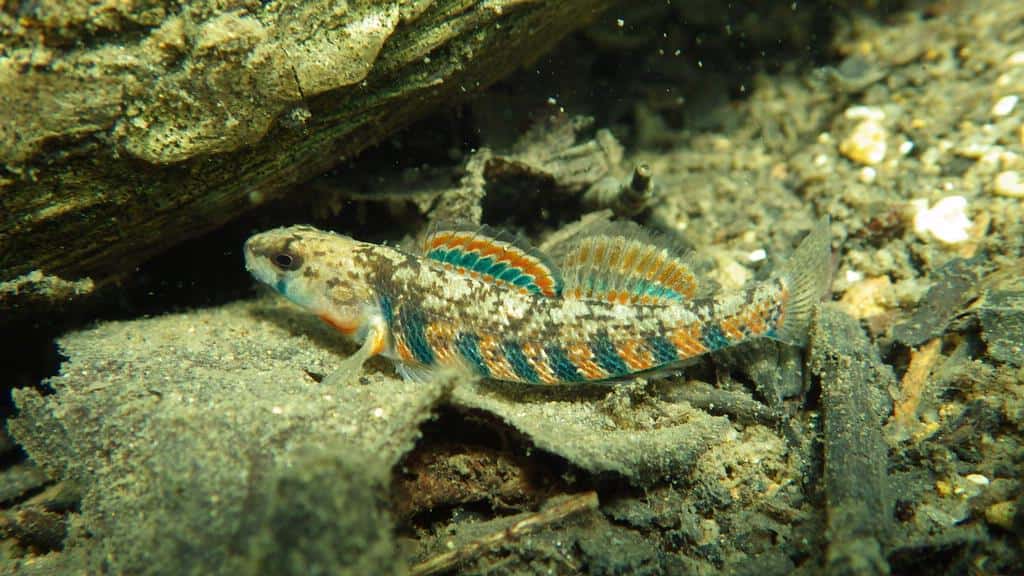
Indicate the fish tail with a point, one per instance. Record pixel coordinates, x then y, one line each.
806 277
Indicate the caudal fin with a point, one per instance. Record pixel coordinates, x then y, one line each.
807 277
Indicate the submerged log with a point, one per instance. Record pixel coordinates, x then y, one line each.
127 127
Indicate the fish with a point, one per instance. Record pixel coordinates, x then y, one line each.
620 303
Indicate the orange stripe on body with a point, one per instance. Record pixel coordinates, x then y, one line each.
731 327
635 354
756 318
582 357
687 341
751 321
784 300
403 349
494 357
538 359
440 338
380 339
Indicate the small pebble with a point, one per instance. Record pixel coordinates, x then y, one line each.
1009 183
864 113
1001 514
943 488
867 298
946 222
977 479
866 144
1005 105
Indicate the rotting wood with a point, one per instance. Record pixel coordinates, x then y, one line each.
854 403
129 172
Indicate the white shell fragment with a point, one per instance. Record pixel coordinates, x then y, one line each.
946 221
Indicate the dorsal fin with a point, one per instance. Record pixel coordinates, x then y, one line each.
624 263
493 255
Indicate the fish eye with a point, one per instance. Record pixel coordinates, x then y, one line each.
286 261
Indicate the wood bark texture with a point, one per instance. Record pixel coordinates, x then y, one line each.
128 127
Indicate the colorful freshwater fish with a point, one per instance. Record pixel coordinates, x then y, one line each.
620 302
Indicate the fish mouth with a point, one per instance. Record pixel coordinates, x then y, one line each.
257 263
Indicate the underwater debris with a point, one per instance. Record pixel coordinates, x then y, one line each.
956 284
446 475
35 528
1000 311
912 387
855 402
205 94
202 428
658 440
37 288
552 512
624 198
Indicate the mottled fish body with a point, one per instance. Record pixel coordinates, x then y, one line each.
620 303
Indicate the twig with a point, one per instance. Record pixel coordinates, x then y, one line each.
547 516
912 386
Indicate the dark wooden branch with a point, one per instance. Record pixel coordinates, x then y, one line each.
114 150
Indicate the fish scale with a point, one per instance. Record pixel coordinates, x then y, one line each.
487 302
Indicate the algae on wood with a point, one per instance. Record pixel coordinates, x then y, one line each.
125 131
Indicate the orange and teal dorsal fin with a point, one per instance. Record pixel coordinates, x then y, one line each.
494 256
623 263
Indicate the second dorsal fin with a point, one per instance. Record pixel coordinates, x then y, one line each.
494 256
626 267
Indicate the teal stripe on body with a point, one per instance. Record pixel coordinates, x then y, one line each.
664 351
560 364
468 346
714 339
520 364
606 356
414 329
